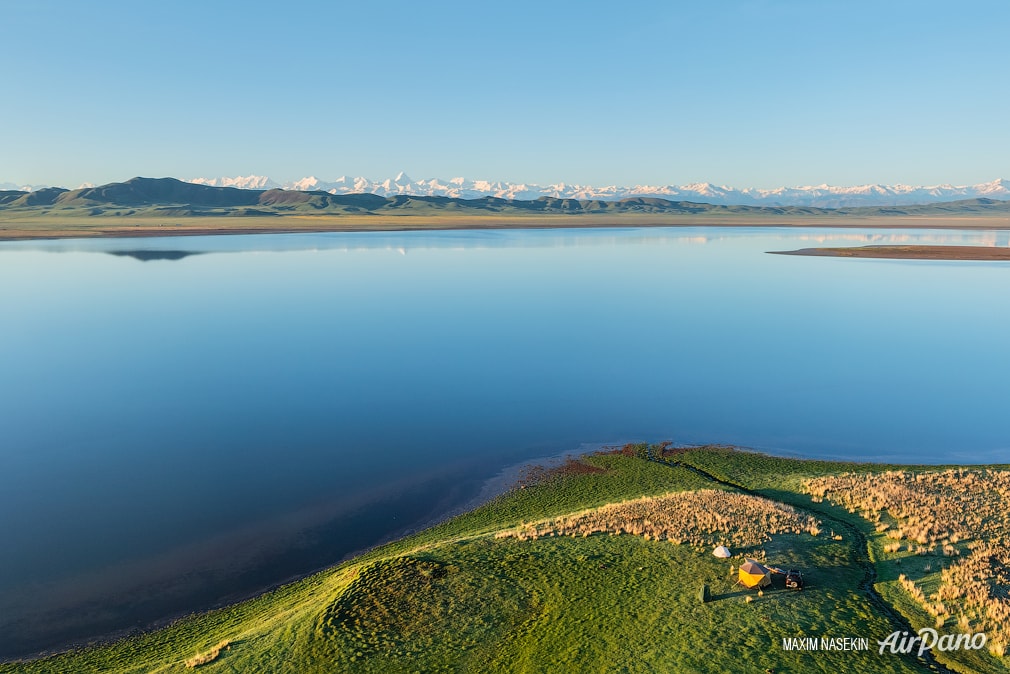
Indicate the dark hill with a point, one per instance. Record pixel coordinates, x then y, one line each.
160 191
322 200
979 205
43 197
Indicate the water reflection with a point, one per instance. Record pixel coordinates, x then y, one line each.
167 248
152 255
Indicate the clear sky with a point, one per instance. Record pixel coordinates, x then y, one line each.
747 93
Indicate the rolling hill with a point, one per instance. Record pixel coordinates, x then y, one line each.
169 197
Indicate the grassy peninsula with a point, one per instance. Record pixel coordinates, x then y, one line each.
598 565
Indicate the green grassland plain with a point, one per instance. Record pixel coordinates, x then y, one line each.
460 596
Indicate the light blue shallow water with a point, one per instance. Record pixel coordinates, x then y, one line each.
182 430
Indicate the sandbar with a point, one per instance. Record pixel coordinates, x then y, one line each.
921 252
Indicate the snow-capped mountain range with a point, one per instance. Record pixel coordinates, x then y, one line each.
822 196
21 188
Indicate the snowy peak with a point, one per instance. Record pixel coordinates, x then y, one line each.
15 187
244 182
822 196
997 189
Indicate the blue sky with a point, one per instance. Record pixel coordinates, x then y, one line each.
747 93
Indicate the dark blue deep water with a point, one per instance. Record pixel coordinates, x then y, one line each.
184 421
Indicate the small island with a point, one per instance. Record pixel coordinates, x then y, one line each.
920 252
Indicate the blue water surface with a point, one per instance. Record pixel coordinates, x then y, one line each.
187 420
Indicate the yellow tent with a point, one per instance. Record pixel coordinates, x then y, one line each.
753 574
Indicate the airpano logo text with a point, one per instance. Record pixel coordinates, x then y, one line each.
928 638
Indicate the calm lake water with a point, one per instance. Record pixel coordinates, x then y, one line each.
184 421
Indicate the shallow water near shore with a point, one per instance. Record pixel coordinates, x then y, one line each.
186 421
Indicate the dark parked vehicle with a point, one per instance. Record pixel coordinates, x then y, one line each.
794 580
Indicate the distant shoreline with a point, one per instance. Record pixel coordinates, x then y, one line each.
40 228
930 252
167 206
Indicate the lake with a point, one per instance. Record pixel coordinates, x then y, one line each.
186 421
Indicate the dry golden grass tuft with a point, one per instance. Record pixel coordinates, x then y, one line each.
962 516
209 656
706 517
